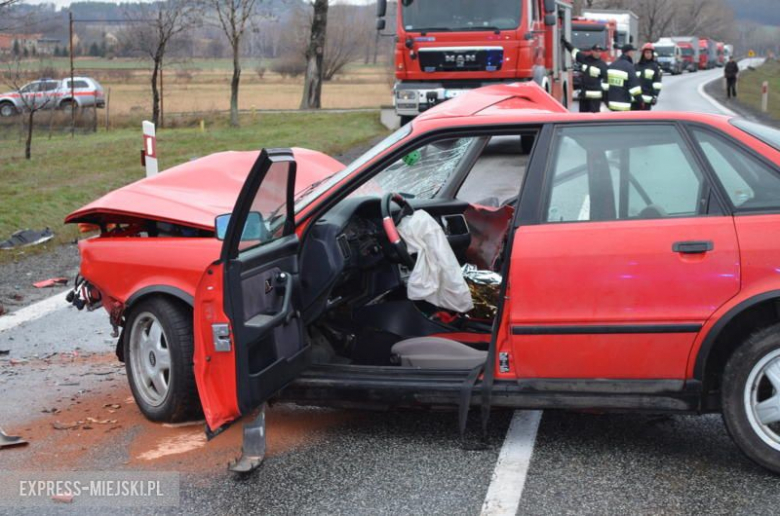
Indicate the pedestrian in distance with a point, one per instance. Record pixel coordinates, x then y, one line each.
649 74
593 85
731 73
624 87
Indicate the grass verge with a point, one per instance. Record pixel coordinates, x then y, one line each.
66 173
749 87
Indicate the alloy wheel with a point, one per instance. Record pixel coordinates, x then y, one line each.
150 359
762 399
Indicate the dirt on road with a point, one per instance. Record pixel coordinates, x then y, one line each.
84 417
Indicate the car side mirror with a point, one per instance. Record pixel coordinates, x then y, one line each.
381 8
550 20
253 230
549 6
381 24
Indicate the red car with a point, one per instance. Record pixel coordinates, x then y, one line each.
636 254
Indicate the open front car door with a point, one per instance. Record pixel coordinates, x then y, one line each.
249 340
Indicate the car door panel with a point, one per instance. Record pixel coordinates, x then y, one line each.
248 331
613 300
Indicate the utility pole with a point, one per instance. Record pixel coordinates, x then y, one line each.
72 85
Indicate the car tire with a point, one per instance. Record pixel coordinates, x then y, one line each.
158 351
7 109
65 105
752 376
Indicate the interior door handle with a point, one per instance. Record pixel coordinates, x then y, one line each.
265 322
693 247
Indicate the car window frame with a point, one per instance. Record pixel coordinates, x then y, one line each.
361 175
718 186
709 195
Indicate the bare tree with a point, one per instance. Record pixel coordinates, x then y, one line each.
32 98
350 33
656 16
233 16
312 83
152 30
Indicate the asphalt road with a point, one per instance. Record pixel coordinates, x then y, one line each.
60 372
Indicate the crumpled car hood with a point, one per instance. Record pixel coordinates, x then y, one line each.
196 192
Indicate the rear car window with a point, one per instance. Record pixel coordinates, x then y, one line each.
766 134
749 183
79 84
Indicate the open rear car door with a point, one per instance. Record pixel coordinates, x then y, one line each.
249 340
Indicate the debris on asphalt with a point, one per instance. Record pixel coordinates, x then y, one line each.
50 282
26 238
101 421
4 351
65 426
7 441
63 498
184 424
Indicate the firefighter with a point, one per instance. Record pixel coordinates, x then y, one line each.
594 76
649 74
624 85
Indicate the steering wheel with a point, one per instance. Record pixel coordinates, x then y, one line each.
390 225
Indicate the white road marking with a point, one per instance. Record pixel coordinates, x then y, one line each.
33 312
720 107
506 486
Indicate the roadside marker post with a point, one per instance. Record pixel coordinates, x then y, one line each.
149 153
765 96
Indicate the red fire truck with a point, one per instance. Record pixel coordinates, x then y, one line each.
586 32
443 51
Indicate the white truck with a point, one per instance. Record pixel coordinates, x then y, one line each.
670 57
627 24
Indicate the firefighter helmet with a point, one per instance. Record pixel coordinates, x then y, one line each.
648 46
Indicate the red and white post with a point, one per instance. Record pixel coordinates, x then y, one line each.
765 96
150 149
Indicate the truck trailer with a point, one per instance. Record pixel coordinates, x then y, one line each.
708 54
443 52
689 46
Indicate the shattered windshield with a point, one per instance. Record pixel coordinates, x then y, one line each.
309 194
459 15
421 173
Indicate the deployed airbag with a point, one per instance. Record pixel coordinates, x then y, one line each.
437 276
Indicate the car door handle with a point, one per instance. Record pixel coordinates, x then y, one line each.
693 247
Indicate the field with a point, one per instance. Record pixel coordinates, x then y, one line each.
66 173
203 85
749 87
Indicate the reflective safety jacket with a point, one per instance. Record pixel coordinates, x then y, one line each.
624 85
649 74
594 76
